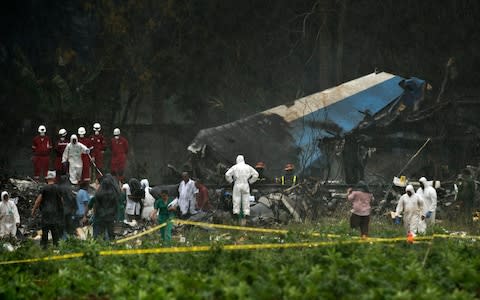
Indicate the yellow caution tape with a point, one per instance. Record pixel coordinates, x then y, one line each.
38 259
236 247
244 228
141 234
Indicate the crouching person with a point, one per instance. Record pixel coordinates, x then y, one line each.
9 217
165 206
410 206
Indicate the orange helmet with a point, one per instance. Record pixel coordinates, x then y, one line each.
260 165
289 167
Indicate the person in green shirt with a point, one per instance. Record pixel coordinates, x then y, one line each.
166 213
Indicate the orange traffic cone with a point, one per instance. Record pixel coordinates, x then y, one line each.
410 237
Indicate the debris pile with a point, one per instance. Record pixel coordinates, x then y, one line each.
270 204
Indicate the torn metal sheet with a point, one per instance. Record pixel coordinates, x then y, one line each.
290 133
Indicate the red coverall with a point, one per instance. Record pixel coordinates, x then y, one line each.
85 159
59 148
119 156
41 147
99 146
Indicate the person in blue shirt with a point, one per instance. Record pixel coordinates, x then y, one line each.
82 203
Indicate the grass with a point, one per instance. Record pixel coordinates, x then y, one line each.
442 269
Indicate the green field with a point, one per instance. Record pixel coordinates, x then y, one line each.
344 268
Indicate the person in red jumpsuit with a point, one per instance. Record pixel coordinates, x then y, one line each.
119 154
85 157
99 146
41 147
60 145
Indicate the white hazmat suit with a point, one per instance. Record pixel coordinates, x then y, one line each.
148 201
73 155
429 196
411 207
241 174
9 217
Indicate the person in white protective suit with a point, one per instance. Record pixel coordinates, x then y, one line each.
429 195
73 155
186 195
148 201
410 206
9 217
241 175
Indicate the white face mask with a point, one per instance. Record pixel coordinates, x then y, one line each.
117 137
97 132
42 133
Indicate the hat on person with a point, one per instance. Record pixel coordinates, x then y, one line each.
289 167
260 165
51 175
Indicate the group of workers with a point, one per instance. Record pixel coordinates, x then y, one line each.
133 202
74 156
416 208
288 178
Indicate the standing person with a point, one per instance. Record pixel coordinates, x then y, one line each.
410 206
429 195
105 207
186 195
134 195
148 200
51 207
202 196
82 200
9 217
466 195
361 199
60 145
69 206
85 156
72 155
99 146
41 147
260 168
166 213
119 146
289 178
241 174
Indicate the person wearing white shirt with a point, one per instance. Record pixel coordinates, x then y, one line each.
186 195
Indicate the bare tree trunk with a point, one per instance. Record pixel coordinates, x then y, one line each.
325 42
339 59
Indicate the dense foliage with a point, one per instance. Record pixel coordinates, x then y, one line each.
445 268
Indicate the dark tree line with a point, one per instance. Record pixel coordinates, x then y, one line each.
201 63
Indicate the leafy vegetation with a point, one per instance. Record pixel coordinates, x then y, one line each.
443 268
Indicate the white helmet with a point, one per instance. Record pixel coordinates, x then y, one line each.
62 132
97 127
82 130
116 131
42 129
